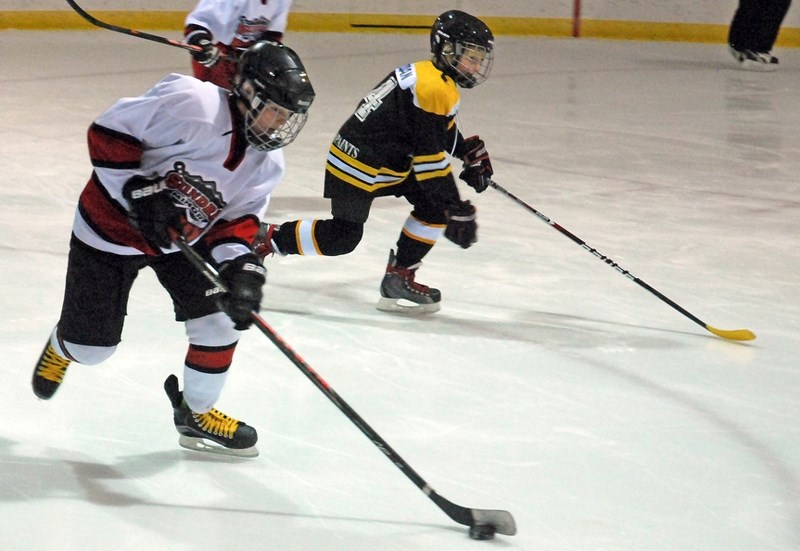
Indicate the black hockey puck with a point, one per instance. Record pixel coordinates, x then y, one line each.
481 531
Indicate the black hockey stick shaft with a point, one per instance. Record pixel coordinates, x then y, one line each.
735 334
501 520
133 32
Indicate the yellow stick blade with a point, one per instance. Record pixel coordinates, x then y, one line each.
734 335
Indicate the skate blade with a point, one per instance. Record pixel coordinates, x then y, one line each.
206 446
403 306
750 65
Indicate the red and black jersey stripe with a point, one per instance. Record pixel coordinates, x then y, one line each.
111 149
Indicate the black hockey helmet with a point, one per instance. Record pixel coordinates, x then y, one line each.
462 47
271 78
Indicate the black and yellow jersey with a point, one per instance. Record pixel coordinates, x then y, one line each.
405 125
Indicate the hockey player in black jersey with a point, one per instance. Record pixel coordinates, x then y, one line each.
397 143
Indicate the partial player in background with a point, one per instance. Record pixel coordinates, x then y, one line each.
225 28
192 160
753 32
398 143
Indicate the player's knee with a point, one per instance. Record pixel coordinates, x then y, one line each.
351 236
430 214
345 237
88 355
212 330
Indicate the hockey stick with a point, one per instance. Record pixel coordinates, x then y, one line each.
734 334
483 521
133 32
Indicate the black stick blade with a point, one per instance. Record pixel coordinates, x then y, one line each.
502 521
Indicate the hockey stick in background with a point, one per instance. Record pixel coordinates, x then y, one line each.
734 334
133 32
482 522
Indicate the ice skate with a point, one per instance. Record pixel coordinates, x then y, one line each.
49 372
211 432
754 61
400 293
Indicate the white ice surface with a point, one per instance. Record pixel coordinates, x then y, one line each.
549 385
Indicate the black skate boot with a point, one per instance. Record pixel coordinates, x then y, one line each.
212 431
49 372
400 293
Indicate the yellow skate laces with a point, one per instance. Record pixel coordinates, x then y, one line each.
52 366
217 423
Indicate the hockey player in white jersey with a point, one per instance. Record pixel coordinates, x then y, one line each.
187 158
225 28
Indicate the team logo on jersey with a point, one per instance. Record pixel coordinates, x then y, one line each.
199 197
405 72
250 30
345 146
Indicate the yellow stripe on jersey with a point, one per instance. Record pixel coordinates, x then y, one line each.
432 158
352 161
432 93
433 174
427 167
356 173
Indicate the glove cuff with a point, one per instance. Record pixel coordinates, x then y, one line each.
197 36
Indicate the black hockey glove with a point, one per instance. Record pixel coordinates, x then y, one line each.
209 55
462 229
477 168
243 276
152 211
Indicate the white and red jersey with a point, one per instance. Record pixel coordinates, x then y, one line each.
239 23
183 130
